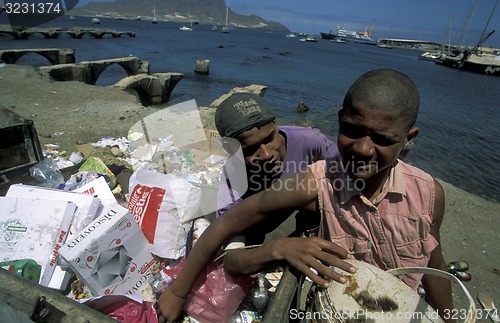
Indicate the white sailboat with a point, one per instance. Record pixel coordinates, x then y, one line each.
225 29
188 26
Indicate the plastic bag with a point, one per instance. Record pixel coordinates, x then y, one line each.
163 205
216 295
124 309
47 173
96 165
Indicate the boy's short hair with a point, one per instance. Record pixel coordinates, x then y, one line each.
241 112
386 89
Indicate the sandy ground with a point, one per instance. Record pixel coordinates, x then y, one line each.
69 112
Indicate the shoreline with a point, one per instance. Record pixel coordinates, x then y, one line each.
65 113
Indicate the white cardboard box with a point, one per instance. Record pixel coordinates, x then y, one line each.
35 229
87 205
111 254
100 188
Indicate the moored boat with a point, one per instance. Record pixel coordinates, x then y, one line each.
186 28
329 35
430 56
483 63
386 46
310 38
474 60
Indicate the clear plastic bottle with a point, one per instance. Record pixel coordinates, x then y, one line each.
160 282
260 295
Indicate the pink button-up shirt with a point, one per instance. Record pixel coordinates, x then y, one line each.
393 230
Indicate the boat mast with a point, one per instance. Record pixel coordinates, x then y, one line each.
154 12
227 11
488 22
371 29
450 21
467 24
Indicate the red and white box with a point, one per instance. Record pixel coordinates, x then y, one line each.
111 254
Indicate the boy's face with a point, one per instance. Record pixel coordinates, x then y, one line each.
370 141
263 149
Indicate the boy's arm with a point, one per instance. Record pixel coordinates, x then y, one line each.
438 290
292 250
294 191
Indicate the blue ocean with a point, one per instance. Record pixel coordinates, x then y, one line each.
459 116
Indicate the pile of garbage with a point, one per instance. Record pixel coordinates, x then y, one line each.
125 219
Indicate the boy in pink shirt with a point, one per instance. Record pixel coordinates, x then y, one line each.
372 206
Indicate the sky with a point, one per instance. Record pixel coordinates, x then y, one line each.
410 19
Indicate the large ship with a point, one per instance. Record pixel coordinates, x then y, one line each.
364 37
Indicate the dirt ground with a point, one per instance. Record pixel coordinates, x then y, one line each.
66 113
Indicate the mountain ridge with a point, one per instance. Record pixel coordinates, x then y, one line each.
202 11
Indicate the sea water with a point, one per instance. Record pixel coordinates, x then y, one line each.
459 116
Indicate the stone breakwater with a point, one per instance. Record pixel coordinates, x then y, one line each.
21 33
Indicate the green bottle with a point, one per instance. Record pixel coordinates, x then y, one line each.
27 268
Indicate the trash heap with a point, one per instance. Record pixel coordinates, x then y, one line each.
127 215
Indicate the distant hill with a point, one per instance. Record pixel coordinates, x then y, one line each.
202 11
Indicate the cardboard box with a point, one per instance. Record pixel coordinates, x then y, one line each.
99 188
111 254
87 205
35 229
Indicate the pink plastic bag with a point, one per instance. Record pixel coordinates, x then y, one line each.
216 295
124 309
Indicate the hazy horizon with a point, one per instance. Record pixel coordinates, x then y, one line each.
436 21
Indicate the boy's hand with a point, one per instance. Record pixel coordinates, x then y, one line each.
313 257
169 306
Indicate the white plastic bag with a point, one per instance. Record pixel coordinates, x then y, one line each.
163 205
